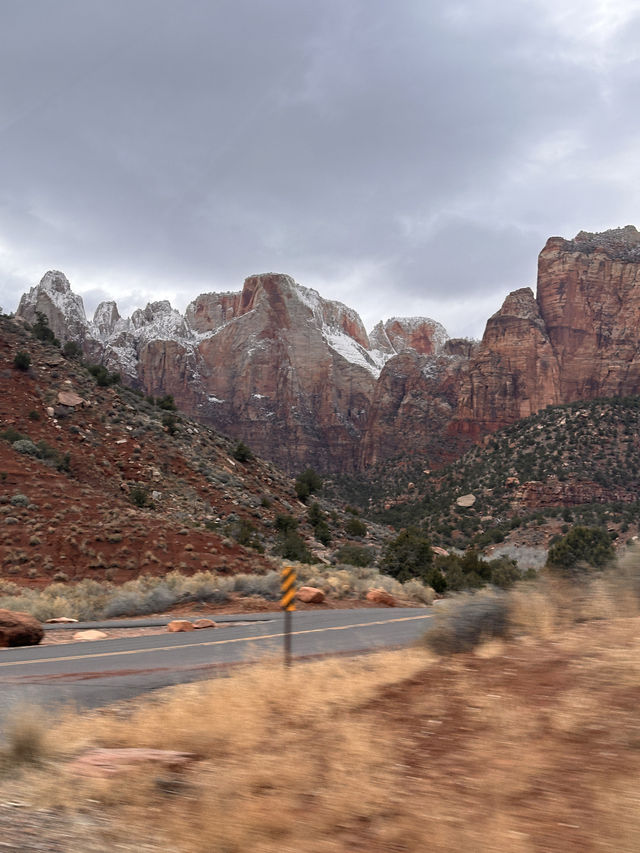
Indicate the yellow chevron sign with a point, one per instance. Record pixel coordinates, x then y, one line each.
288 588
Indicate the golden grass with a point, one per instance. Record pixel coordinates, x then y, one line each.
524 745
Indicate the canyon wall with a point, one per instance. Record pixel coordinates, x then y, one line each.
297 377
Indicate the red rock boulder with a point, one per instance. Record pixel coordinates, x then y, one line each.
19 629
310 595
180 625
381 596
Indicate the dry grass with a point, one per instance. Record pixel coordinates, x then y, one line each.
526 744
89 599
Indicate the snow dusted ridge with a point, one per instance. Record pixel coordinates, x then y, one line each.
118 340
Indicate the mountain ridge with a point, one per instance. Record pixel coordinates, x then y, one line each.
299 378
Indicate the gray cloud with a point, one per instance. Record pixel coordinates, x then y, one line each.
406 158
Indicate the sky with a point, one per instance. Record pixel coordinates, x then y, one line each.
408 158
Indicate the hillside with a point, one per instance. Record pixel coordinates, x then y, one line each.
98 481
573 463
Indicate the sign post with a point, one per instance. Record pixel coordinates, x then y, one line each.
288 589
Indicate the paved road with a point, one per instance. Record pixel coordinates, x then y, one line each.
93 674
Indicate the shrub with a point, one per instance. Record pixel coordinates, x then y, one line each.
102 376
22 360
12 435
34 415
581 546
314 514
267 586
242 453
285 523
63 463
291 546
355 527
408 556
131 602
322 533
42 330
417 591
170 423
246 534
71 350
140 497
20 500
308 483
354 555
26 446
467 621
167 403
27 739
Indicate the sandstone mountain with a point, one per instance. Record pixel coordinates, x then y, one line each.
298 378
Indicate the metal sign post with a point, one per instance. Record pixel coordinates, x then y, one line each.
288 589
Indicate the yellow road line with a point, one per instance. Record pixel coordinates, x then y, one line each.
209 642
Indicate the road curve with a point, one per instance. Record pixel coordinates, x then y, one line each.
92 674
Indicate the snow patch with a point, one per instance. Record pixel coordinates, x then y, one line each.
350 350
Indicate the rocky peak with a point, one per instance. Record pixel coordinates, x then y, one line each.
421 334
425 336
520 305
379 340
105 318
622 243
160 321
63 308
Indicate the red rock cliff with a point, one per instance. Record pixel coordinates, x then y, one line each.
589 298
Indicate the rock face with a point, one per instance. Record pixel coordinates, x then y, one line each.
589 297
19 629
287 371
513 373
297 377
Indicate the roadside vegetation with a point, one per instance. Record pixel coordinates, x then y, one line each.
89 599
516 721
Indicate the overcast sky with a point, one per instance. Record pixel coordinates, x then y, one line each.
407 157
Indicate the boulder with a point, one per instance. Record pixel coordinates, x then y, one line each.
178 625
19 629
204 623
381 596
69 398
310 595
466 500
90 635
63 620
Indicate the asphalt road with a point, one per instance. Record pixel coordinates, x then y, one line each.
88 675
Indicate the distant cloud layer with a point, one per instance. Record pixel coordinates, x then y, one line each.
406 158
